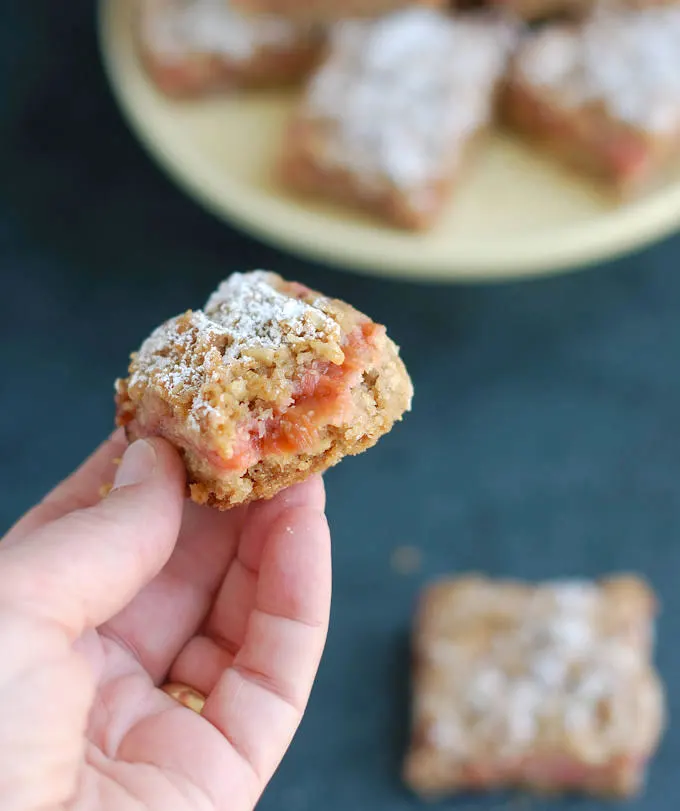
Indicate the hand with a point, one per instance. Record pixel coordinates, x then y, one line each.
102 601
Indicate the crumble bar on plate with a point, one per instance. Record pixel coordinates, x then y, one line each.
387 122
603 96
193 48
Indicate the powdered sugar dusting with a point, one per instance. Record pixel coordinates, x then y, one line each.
405 91
243 318
211 26
629 61
547 666
255 314
178 367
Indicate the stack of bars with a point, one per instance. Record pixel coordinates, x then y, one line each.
395 94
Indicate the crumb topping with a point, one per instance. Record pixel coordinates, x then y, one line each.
180 357
551 664
241 354
629 61
178 26
401 92
255 314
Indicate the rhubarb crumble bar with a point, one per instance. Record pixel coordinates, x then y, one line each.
330 10
387 120
544 10
196 47
604 96
269 383
552 10
548 687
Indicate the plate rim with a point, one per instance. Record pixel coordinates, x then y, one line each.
570 249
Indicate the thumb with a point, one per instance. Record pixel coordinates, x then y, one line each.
83 568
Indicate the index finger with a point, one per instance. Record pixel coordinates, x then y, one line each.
259 700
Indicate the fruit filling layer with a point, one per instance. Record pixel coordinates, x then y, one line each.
322 397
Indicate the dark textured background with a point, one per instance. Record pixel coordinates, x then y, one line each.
544 440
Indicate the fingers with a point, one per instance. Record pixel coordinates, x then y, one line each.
81 489
156 625
310 493
258 702
81 569
236 600
205 658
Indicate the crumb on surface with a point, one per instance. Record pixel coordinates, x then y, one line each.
406 560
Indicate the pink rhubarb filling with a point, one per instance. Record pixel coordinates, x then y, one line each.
321 397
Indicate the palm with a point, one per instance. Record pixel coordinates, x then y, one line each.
239 613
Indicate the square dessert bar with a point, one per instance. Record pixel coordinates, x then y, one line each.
604 96
545 10
387 121
196 47
269 383
548 687
330 10
539 10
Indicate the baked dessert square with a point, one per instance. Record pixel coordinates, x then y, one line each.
546 10
574 10
389 118
330 10
194 48
603 96
269 383
548 687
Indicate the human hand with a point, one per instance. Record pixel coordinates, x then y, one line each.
102 601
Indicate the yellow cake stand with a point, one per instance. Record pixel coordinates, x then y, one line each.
515 213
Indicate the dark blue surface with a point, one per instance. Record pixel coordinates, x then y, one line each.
544 439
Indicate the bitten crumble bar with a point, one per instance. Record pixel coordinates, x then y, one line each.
604 96
192 48
270 383
387 121
548 687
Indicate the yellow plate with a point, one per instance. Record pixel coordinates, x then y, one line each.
515 213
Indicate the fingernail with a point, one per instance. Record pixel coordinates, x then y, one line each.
137 465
